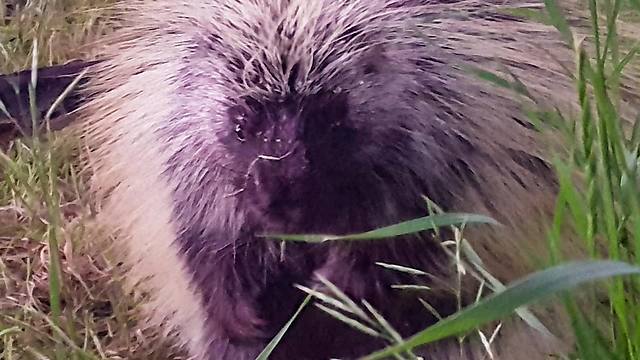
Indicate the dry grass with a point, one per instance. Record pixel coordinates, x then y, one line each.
63 30
43 205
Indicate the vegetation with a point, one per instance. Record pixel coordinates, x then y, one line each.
67 303
61 297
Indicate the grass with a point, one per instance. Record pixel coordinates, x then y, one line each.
61 28
61 297
605 158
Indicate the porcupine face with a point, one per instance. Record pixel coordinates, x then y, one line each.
320 125
324 149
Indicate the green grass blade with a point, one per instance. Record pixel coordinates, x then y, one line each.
491 77
557 19
593 8
408 227
516 85
611 41
264 355
532 288
573 200
617 71
527 13
590 345
634 142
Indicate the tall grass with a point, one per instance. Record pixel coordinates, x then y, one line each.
605 207
62 29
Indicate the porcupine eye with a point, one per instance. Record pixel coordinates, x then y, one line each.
239 132
238 116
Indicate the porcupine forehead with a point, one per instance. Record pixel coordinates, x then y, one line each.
275 46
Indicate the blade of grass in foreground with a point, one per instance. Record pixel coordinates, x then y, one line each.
408 227
557 19
264 355
499 305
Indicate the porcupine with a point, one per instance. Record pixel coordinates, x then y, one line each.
211 122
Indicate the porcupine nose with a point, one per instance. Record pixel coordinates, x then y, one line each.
280 184
281 168
286 166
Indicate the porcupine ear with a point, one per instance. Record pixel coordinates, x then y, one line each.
52 81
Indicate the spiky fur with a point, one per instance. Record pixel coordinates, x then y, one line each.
155 128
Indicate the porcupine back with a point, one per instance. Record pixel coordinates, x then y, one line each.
154 126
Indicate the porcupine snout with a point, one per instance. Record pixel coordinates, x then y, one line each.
279 174
281 163
293 141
